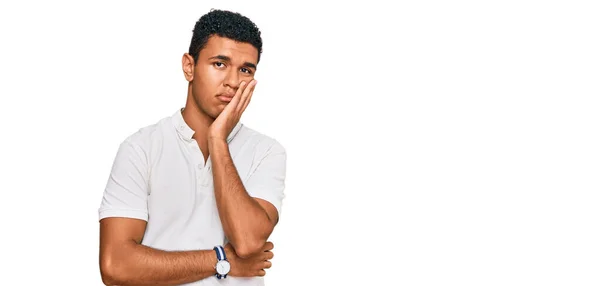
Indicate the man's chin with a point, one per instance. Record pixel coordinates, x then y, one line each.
217 111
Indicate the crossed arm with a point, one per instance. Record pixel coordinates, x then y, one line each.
247 223
125 261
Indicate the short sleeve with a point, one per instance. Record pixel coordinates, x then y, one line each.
267 181
126 192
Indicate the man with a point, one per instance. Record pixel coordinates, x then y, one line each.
198 188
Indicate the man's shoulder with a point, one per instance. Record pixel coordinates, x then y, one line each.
260 140
144 136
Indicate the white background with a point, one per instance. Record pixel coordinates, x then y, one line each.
431 143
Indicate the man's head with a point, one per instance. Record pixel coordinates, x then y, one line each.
224 51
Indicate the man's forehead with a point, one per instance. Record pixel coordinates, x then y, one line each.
236 51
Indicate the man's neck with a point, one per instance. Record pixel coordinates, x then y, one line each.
198 121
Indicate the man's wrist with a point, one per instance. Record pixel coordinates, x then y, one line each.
213 261
217 143
222 266
230 256
215 137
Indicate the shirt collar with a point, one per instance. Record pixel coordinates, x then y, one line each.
186 132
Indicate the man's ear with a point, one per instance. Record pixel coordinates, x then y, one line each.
188 64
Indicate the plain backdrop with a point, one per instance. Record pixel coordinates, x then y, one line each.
429 142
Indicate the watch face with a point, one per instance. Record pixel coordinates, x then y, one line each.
223 267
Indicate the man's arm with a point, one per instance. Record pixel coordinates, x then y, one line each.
247 222
248 216
123 215
124 261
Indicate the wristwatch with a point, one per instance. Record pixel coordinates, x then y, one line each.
223 265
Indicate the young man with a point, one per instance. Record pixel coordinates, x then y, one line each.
194 197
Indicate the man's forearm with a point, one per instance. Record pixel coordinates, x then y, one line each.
245 223
136 264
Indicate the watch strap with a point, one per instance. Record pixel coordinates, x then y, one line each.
220 256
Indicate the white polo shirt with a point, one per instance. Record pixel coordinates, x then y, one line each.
159 176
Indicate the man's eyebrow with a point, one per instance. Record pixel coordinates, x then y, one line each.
221 57
228 59
250 65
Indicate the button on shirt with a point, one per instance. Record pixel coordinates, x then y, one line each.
159 175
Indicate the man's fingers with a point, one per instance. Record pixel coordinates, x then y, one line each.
247 100
232 105
261 272
240 89
268 255
267 246
267 265
238 94
246 97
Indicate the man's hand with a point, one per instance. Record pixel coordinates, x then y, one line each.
252 266
232 113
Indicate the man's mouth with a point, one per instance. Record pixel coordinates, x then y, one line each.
225 97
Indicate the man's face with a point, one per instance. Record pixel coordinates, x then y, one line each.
222 65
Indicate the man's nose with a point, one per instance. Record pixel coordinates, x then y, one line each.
232 79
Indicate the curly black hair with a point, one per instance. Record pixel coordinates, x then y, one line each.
226 24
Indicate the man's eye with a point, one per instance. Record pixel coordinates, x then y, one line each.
245 70
219 64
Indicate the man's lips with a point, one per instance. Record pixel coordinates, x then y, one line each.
225 97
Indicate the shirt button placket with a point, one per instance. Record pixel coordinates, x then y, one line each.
204 178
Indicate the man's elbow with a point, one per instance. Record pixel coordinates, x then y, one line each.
249 247
110 272
247 243
107 274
